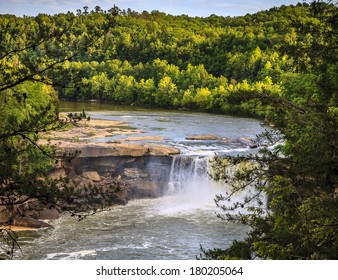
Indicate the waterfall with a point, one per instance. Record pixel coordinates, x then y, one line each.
187 171
191 184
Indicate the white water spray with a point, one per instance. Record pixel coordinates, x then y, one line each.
193 188
188 173
189 187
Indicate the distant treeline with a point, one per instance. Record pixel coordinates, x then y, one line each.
155 59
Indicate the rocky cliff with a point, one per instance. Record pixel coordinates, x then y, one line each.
118 170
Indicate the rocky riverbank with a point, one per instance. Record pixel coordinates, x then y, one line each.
128 167
135 170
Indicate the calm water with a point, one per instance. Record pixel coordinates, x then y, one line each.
169 227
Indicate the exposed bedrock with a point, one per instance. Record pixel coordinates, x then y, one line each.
119 175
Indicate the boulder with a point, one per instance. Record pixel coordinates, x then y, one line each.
92 175
248 142
49 214
203 137
158 150
29 222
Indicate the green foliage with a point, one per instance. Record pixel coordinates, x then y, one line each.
27 109
139 53
280 65
238 251
168 86
299 219
32 54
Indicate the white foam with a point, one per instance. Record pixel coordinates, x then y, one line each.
71 255
144 245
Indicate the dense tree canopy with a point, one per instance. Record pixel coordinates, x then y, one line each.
199 63
31 55
299 177
279 64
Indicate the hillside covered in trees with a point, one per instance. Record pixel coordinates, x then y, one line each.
156 59
279 64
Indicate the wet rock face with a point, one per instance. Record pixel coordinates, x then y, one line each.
119 179
146 176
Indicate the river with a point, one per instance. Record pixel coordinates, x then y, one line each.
170 227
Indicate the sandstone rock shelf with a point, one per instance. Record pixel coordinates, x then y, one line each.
134 169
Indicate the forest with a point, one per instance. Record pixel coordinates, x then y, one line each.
155 59
279 65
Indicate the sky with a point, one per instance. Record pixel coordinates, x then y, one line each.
201 8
